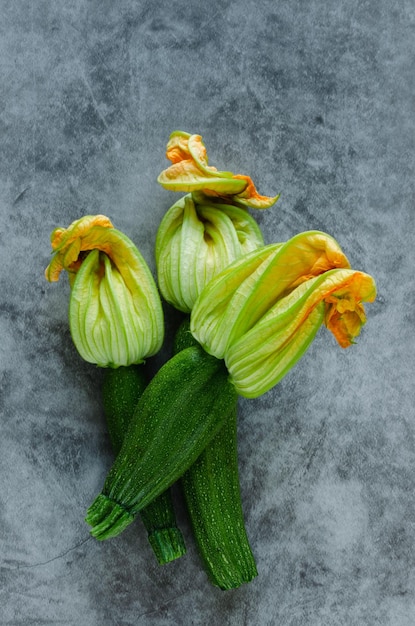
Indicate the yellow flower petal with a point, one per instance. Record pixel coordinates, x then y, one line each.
177 147
186 176
190 172
116 316
251 198
345 314
67 243
198 153
262 356
236 299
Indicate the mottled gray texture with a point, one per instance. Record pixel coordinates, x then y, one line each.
315 100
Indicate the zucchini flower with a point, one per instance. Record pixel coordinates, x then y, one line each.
190 172
115 312
207 229
195 241
262 312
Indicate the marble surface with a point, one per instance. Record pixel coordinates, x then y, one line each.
316 101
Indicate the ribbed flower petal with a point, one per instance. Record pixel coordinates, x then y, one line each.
106 327
249 197
262 356
190 172
195 242
198 153
115 310
67 244
187 176
235 300
345 314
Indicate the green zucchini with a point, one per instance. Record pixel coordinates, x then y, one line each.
121 390
178 416
212 494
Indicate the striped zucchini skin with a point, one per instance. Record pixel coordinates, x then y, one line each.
213 499
121 390
212 494
178 416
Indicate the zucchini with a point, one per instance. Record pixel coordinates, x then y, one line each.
122 388
213 500
178 416
212 495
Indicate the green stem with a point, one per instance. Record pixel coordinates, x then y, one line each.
122 388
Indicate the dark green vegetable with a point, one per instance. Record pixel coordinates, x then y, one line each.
178 416
122 388
212 494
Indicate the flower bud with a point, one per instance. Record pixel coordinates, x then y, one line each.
190 172
115 312
195 241
262 312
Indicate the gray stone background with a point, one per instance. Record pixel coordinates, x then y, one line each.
314 100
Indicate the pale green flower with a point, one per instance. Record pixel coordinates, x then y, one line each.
195 241
115 312
262 312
